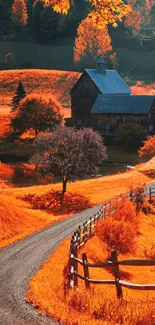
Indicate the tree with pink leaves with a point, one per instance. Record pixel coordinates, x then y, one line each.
69 153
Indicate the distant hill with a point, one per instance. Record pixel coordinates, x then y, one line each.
43 82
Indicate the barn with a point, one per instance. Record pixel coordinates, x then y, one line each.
101 99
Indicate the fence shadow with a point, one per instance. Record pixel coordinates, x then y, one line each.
56 203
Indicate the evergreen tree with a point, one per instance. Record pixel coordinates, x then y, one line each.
53 25
19 13
38 8
19 94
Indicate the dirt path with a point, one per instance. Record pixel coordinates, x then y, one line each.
19 261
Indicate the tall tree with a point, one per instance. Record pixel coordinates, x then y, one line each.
141 19
70 153
103 12
19 13
38 8
49 24
91 42
19 94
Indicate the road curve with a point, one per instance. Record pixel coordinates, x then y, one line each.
19 261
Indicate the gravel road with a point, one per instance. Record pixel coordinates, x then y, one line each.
19 261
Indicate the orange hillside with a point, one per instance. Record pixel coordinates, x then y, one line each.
41 82
81 194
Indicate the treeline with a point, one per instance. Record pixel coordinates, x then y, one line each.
33 20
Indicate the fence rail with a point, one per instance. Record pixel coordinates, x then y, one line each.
85 232
114 263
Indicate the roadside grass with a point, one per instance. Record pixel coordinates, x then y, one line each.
48 292
29 218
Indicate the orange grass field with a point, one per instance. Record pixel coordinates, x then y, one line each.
20 218
99 306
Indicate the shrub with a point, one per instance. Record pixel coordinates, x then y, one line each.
117 235
126 210
117 231
131 135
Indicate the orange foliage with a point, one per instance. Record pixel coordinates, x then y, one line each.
104 12
116 231
139 15
91 41
19 12
98 305
148 147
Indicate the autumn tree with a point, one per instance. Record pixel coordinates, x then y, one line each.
70 153
91 42
36 114
141 19
19 13
148 147
19 94
103 12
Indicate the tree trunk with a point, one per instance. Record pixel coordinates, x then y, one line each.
64 185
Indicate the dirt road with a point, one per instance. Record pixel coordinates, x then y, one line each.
19 261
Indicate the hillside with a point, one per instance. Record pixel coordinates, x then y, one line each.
43 82
21 216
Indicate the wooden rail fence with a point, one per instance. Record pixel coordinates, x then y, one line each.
114 263
86 231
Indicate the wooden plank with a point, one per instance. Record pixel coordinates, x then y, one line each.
102 281
137 262
100 264
78 260
137 286
80 276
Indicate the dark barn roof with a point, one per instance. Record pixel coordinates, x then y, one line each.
107 81
122 104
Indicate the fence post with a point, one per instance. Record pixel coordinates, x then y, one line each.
71 261
85 270
105 211
116 274
90 225
109 207
79 236
75 266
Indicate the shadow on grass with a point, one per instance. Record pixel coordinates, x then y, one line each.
56 203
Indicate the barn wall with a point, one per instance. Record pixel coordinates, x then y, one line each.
108 124
83 97
151 120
